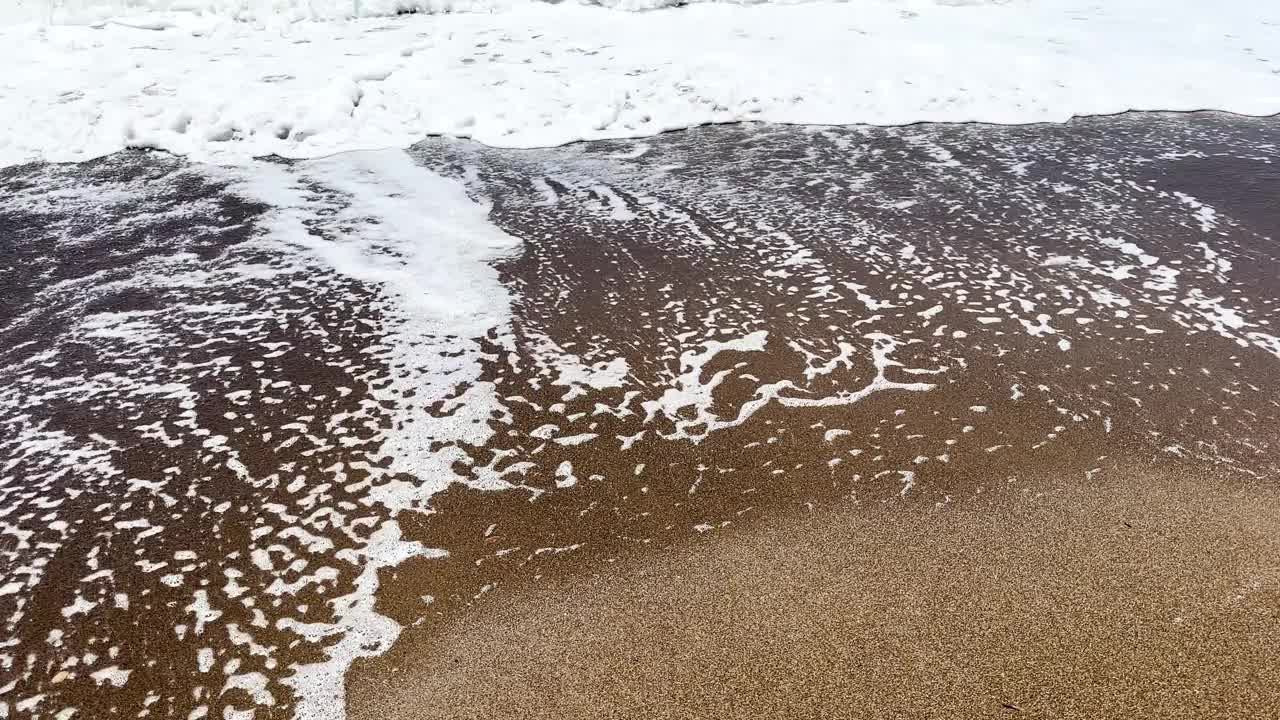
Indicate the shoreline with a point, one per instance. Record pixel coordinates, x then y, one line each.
1141 595
231 415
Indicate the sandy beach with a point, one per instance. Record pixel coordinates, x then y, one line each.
1073 542
1142 596
739 421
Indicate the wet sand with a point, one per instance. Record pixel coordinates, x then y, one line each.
1020 513
1142 596
752 420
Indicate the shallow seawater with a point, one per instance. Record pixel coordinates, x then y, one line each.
230 464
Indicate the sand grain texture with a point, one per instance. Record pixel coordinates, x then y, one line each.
1141 597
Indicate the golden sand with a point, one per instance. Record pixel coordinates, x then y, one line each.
1140 597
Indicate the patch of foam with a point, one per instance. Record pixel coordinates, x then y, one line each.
426 246
362 631
1205 215
578 376
113 675
882 348
691 392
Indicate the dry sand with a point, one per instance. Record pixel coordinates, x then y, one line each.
1137 597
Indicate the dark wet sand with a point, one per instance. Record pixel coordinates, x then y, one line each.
890 557
1141 596
759 432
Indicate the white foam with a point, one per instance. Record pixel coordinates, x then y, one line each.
113 675
152 14
363 632
690 391
426 247
537 74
